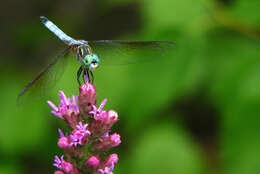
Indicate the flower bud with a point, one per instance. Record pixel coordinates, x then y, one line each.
107 142
64 143
111 160
92 163
87 97
103 123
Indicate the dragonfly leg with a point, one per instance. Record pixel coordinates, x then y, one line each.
79 73
89 80
85 71
84 75
92 77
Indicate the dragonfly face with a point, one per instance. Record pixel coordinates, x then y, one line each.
86 57
91 61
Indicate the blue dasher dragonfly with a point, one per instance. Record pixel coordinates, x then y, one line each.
89 54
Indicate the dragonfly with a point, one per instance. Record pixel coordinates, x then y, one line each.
86 53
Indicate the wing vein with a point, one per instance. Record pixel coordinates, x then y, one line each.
39 75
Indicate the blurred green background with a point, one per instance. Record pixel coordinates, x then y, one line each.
195 111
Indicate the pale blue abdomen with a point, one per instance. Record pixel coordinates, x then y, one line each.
58 32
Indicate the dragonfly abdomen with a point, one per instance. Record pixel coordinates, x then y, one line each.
58 32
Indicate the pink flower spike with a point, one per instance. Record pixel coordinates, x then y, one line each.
86 145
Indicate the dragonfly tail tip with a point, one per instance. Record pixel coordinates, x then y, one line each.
43 19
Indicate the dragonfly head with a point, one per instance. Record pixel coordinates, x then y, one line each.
91 61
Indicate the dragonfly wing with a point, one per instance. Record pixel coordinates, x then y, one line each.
120 52
47 78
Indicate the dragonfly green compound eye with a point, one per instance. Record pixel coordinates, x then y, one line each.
91 61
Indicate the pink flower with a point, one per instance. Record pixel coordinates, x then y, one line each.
107 170
79 135
67 110
111 160
89 138
63 165
109 164
97 112
103 121
92 163
64 141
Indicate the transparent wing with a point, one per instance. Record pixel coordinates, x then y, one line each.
120 52
43 81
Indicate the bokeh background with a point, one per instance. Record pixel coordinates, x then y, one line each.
194 111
